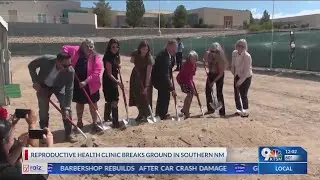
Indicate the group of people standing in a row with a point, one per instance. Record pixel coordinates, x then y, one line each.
78 68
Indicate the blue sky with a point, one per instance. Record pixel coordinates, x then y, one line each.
282 8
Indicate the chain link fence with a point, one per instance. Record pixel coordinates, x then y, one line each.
305 55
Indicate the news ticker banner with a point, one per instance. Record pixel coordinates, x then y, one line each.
263 160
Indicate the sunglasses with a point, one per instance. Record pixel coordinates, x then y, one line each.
240 46
213 51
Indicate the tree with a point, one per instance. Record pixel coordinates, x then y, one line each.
135 12
200 21
163 21
245 25
180 17
265 17
103 11
251 19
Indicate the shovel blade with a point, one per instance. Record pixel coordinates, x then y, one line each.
176 119
103 127
130 122
150 119
156 118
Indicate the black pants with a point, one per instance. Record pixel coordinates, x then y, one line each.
163 102
219 88
242 92
179 60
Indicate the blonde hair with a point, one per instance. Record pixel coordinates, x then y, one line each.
218 47
244 43
193 54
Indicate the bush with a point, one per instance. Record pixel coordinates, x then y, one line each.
293 26
266 26
262 27
203 26
255 27
125 26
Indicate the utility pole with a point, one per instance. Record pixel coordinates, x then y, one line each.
159 20
272 31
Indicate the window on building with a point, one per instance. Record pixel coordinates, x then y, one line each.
42 18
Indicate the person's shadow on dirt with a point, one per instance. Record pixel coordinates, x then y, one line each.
213 116
59 135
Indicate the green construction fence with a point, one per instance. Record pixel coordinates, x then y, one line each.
259 44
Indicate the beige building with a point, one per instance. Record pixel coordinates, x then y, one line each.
227 18
149 18
211 16
312 20
45 12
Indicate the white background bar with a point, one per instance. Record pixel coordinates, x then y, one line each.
125 155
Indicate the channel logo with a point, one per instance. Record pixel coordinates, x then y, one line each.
239 168
271 154
34 168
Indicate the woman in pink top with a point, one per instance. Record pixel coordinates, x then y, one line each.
88 66
185 80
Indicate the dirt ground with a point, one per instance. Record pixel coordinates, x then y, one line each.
284 111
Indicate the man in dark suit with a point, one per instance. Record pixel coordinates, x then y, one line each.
161 78
55 76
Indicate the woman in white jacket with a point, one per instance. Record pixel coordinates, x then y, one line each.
241 68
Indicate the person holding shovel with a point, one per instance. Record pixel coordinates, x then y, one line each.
241 68
161 78
55 76
185 80
216 62
88 65
141 76
111 62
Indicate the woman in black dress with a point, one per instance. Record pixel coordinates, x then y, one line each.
88 65
111 63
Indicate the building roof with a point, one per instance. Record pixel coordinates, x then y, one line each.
156 11
290 17
216 9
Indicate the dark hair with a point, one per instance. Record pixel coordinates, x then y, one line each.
143 44
112 41
5 130
63 56
108 54
178 39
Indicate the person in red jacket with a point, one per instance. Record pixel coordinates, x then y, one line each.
185 79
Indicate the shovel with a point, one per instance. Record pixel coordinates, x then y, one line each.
151 119
215 104
78 129
177 118
101 125
198 98
125 121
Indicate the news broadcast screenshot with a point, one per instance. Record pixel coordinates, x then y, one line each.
159 89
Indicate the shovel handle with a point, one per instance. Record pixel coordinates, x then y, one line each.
174 97
142 88
89 99
70 121
123 93
198 98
